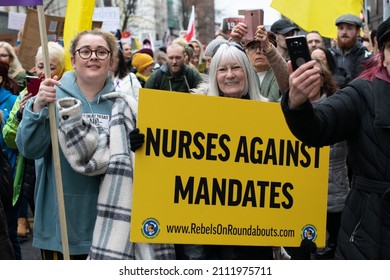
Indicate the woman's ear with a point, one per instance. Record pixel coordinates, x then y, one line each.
72 61
112 64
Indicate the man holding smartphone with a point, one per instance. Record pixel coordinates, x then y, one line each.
283 28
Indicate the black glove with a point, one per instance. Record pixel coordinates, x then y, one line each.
304 251
136 139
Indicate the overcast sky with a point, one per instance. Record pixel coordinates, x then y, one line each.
231 7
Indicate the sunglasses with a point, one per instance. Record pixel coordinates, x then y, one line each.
254 47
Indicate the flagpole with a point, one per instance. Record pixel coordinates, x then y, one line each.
193 20
366 28
54 138
191 26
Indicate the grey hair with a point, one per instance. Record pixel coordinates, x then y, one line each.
229 52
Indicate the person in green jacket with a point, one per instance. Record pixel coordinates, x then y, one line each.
175 75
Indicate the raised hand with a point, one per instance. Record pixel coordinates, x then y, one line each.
302 82
238 32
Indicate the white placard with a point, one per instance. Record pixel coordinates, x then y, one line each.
109 16
16 20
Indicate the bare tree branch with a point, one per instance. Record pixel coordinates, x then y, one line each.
128 8
47 6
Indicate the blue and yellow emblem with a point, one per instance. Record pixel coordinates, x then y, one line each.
150 228
309 232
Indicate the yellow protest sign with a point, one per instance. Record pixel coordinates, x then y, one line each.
216 170
78 18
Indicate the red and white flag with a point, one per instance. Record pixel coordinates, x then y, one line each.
191 26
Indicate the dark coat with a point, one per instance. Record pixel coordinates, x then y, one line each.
359 114
6 250
349 64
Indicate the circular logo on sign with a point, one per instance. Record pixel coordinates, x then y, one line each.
309 232
150 228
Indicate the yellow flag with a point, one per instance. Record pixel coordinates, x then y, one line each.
78 18
319 15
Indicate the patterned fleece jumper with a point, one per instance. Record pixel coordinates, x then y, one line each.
88 150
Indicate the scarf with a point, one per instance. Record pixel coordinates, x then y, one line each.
89 151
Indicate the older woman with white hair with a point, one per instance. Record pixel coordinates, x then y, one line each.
232 75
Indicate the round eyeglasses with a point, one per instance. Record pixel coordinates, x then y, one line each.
86 53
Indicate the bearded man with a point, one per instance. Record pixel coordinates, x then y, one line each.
349 53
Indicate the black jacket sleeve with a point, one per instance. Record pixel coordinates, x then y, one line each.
331 121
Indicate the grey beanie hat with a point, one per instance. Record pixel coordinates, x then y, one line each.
212 45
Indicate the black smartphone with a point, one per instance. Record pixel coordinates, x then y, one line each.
298 50
33 83
253 18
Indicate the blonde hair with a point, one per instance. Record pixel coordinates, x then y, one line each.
201 52
55 51
15 67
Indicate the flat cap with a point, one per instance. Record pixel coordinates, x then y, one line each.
283 26
383 33
349 19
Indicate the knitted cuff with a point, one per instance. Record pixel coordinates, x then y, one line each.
69 110
269 49
86 150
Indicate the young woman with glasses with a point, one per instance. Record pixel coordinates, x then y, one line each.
92 55
97 176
